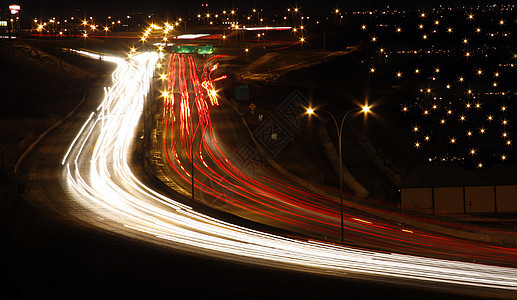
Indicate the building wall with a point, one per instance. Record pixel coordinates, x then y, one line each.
479 199
506 198
459 199
417 198
448 200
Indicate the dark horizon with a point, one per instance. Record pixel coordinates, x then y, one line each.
33 8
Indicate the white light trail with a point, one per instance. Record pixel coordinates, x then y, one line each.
99 177
191 36
265 28
77 137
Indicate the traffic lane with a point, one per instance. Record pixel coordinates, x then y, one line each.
181 225
273 210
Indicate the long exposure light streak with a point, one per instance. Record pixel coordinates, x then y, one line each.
280 201
97 175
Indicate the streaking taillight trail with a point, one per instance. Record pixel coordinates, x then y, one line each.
98 176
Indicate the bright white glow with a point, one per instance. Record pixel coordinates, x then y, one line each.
266 28
98 175
191 36
75 139
163 44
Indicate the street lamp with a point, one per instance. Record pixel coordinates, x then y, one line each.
192 132
365 109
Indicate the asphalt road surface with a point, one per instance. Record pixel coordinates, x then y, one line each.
90 183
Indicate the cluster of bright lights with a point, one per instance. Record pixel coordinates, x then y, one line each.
157 31
450 105
68 26
98 176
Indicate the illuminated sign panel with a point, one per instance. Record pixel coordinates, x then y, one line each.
3 23
207 49
183 49
14 8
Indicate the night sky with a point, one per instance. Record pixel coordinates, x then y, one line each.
176 7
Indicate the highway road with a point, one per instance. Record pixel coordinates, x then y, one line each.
268 197
95 169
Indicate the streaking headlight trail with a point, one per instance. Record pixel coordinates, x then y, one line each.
97 175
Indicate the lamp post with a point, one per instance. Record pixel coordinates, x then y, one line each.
339 129
192 131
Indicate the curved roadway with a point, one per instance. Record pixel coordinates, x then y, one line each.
106 193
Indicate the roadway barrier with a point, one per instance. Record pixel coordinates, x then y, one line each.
461 199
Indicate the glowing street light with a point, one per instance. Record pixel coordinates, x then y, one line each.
365 109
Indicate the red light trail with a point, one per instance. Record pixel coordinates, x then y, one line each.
273 196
